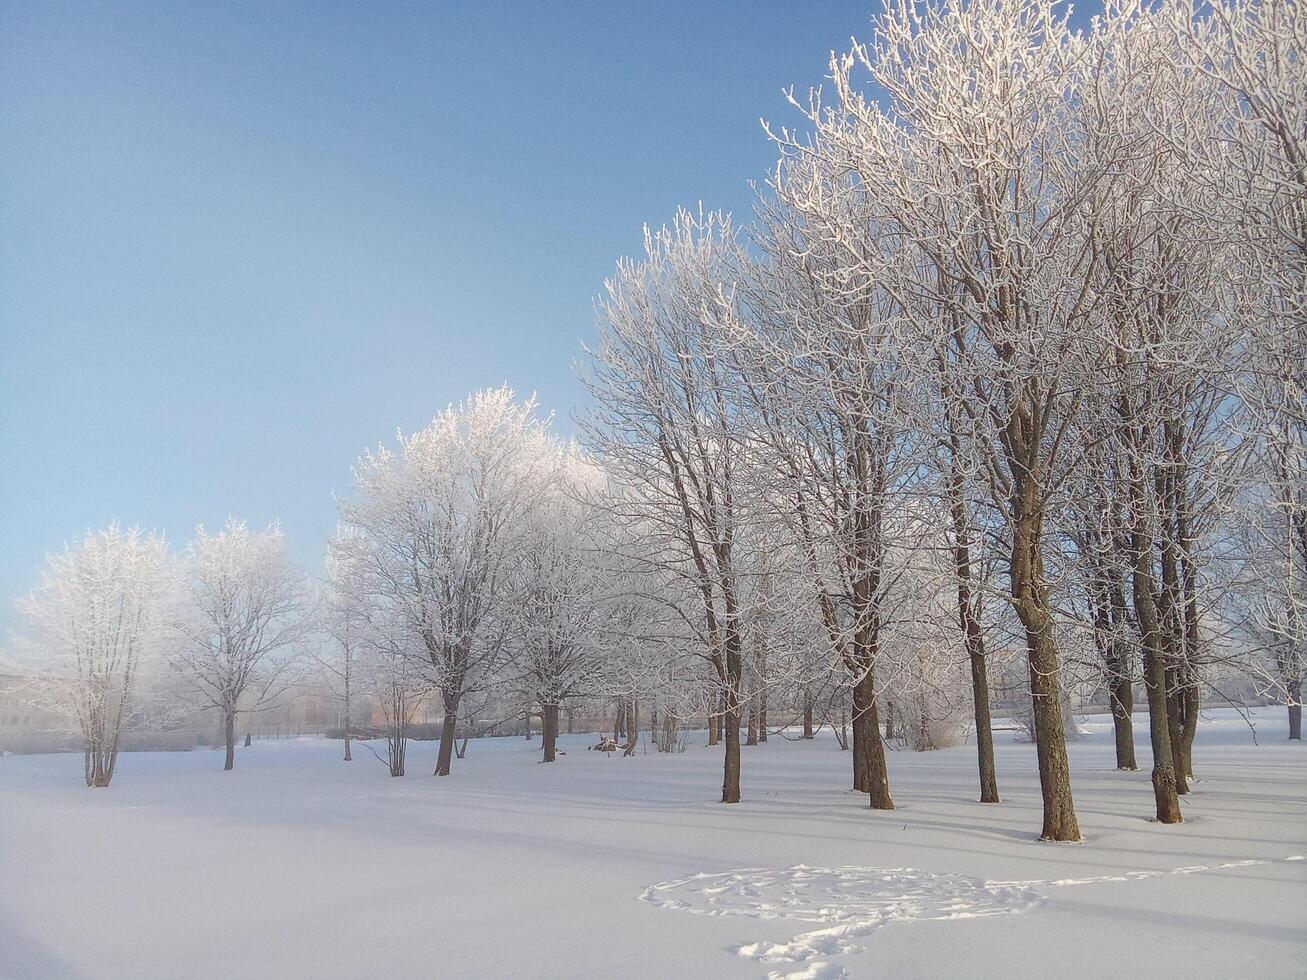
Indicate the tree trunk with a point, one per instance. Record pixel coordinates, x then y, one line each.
445 758
752 738
348 697
861 774
1170 622
100 753
731 762
549 733
875 771
1121 693
668 740
348 756
632 728
1189 700
1175 726
1029 594
1192 636
984 728
1122 696
975 641
1295 712
731 697
229 733
762 714
807 714
1164 791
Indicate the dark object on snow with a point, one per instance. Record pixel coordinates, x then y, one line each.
247 740
606 744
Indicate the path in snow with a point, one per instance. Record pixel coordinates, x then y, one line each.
851 902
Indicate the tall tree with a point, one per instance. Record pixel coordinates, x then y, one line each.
667 425
435 528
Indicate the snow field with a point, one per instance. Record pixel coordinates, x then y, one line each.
299 865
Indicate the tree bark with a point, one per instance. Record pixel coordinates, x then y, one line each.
1170 623
229 734
1164 790
1175 726
731 762
861 774
970 624
549 733
1295 712
348 671
632 727
714 731
1029 595
876 772
984 728
731 695
1122 696
445 758
752 738
807 714
1192 638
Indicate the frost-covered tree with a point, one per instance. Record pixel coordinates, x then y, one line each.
562 614
667 427
244 607
822 346
1253 55
96 618
344 619
971 159
394 674
435 530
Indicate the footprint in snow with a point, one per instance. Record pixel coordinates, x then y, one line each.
848 903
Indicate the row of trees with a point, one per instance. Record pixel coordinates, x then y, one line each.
1022 305
1009 363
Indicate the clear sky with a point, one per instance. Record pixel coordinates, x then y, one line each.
241 242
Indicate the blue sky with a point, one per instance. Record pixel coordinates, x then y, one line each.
240 242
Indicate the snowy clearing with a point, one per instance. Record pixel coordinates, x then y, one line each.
299 865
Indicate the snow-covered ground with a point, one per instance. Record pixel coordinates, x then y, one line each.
300 865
